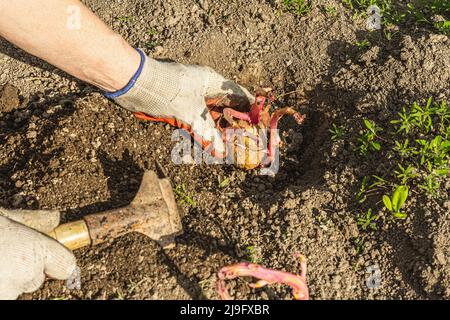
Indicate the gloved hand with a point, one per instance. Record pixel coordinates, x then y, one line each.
177 94
27 256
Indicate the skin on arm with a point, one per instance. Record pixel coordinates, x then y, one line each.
66 34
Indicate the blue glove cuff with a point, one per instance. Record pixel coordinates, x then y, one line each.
130 83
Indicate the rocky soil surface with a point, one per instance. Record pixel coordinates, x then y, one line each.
64 146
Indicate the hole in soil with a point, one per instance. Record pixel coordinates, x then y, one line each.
303 162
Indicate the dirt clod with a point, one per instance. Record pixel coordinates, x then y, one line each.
9 98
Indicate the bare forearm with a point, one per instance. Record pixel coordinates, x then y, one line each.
68 35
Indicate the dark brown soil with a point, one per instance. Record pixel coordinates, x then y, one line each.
64 146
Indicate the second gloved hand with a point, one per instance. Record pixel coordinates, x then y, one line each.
177 94
27 256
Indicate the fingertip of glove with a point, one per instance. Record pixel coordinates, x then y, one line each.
35 283
60 262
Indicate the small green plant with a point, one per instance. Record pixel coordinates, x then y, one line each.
434 154
431 185
404 123
368 220
395 203
443 27
224 182
253 254
414 11
443 112
337 133
185 196
440 152
150 45
119 294
330 10
363 44
379 182
359 244
422 116
298 7
424 11
152 32
323 222
152 41
389 35
386 7
361 195
405 174
367 140
404 150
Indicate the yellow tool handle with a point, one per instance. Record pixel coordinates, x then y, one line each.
73 235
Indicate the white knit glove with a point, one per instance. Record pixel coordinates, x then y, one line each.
27 256
173 90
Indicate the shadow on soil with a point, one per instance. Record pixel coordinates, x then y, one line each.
13 130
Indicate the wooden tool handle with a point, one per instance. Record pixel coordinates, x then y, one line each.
153 212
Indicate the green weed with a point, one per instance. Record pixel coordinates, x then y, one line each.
379 182
330 10
443 27
389 35
431 185
224 182
367 141
152 32
124 18
395 203
337 133
403 149
416 119
298 7
405 174
185 197
361 195
152 44
368 220
119 294
426 144
253 254
363 44
359 244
